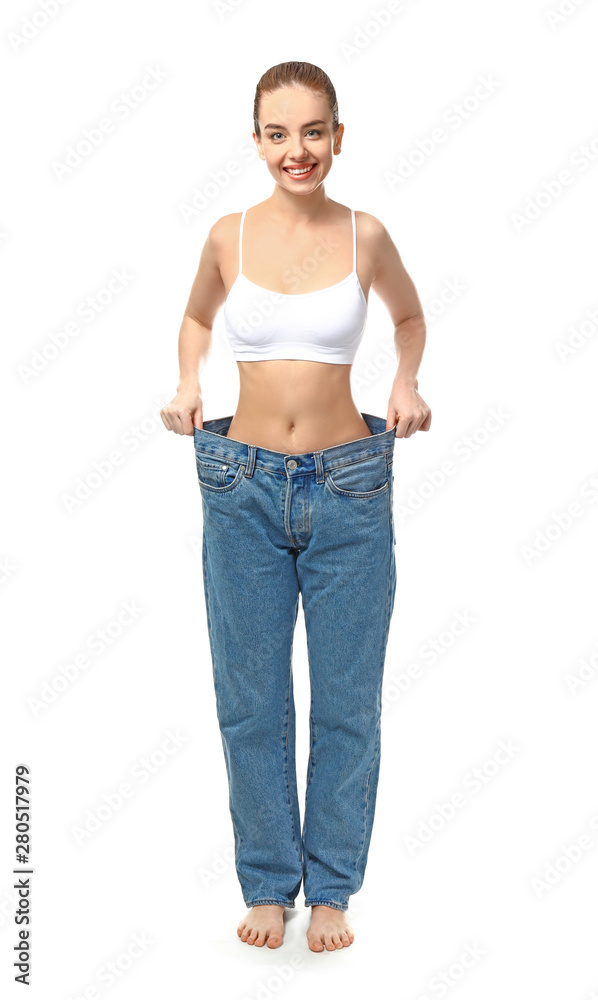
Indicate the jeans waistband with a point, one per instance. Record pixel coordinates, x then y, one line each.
211 439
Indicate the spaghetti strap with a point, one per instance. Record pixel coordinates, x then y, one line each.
354 240
241 242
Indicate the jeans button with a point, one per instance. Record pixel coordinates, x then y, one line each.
292 464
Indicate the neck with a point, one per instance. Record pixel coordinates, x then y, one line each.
284 206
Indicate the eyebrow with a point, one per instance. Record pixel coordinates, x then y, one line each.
318 121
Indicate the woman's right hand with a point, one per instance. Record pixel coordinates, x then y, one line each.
185 411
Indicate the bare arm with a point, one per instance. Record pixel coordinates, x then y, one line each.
393 285
185 411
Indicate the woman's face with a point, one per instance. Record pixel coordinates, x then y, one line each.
296 127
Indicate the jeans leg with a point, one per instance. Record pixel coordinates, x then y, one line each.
252 594
347 577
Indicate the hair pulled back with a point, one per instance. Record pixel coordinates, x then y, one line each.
298 74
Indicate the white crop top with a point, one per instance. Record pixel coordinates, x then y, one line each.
325 325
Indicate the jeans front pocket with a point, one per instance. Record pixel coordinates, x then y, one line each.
217 475
368 477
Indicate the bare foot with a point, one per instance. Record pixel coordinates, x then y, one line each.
328 928
263 925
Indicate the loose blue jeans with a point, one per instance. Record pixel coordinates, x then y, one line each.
319 524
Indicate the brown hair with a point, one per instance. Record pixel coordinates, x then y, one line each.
298 74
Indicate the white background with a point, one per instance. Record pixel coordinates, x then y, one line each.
474 212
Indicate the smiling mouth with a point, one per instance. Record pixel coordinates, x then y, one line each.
300 171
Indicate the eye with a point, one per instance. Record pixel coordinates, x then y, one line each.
274 134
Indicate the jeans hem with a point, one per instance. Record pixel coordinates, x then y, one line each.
327 902
269 902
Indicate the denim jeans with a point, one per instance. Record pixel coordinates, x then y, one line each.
319 524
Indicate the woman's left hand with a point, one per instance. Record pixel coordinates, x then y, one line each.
408 410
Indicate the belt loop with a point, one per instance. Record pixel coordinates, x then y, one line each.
319 466
251 450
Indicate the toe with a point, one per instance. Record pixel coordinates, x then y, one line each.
336 941
274 939
345 939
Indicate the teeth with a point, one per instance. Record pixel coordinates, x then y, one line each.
302 171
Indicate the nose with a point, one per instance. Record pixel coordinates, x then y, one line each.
297 149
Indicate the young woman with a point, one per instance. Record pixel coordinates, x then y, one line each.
296 494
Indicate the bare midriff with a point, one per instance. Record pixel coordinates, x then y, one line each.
296 406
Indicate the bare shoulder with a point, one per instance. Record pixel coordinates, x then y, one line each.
371 229
222 236
224 228
369 226
374 238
